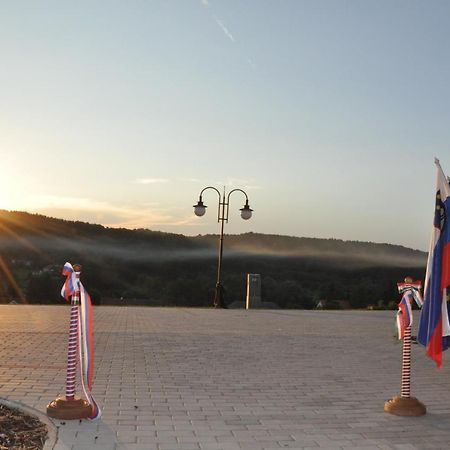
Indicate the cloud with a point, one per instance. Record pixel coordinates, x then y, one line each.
140 220
221 25
240 183
227 32
107 214
150 180
59 201
224 29
253 187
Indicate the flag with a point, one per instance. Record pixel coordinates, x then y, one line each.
404 314
414 288
411 292
70 285
434 327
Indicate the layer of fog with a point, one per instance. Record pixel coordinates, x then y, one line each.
143 252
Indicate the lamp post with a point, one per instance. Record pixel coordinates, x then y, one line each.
222 217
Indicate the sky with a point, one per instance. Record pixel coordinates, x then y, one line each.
327 113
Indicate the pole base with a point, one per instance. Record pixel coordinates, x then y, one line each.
64 409
401 406
219 302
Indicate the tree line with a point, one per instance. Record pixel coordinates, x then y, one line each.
155 268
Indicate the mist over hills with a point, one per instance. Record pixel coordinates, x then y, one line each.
25 230
172 269
354 253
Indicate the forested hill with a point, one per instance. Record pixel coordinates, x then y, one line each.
23 230
20 229
172 269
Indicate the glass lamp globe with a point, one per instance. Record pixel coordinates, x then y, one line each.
246 211
200 209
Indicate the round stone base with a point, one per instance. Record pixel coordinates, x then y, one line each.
405 406
64 409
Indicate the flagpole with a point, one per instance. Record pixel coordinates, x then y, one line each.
404 404
70 406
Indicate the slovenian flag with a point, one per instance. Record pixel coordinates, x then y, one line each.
434 327
413 287
404 315
411 292
70 286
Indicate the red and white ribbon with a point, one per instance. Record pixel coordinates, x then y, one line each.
81 328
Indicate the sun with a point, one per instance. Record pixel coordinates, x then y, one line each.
14 190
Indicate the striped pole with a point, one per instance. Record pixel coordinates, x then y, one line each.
72 349
406 365
404 404
70 407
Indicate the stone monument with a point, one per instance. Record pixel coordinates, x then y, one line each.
253 299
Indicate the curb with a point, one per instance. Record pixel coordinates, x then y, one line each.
52 435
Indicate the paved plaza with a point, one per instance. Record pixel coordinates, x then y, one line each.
204 379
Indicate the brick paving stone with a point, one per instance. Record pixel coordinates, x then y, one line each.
59 446
204 379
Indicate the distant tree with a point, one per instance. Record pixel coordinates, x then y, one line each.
392 305
332 304
96 296
43 288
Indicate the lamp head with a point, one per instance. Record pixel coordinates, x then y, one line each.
246 211
200 208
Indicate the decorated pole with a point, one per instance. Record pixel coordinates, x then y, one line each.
404 404
79 349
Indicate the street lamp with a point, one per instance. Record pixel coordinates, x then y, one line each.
222 216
